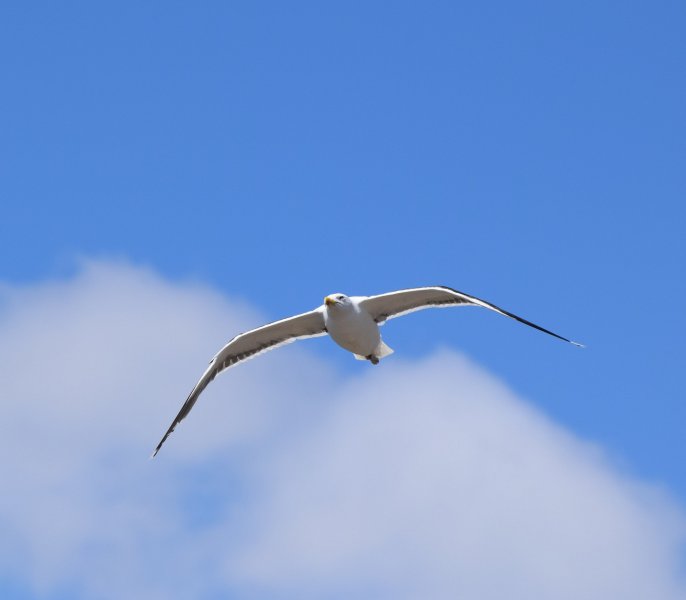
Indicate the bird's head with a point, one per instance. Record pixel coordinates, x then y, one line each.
336 300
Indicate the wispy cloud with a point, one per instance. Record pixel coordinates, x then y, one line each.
426 480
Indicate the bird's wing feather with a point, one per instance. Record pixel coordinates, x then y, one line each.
248 345
402 302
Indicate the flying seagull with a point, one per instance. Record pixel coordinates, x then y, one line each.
351 321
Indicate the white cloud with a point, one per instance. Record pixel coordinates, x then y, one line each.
426 480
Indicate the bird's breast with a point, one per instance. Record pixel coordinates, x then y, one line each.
353 330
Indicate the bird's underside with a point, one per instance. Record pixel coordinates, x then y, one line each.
352 322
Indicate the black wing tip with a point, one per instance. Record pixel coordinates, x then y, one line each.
154 454
164 439
520 319
572 342
558 336
543 329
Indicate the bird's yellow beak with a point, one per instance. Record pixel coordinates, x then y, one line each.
329 301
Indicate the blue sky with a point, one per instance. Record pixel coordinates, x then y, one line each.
530 154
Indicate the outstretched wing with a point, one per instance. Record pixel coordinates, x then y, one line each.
248 345
402 302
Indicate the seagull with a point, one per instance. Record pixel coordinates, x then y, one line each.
351 321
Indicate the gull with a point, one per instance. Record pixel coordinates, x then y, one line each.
351 321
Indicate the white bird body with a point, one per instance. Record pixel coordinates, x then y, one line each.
352 322
351 326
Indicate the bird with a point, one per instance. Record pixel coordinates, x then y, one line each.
351 321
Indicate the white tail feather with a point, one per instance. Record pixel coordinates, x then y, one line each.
382 351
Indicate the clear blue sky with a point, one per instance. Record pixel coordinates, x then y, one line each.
529 153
